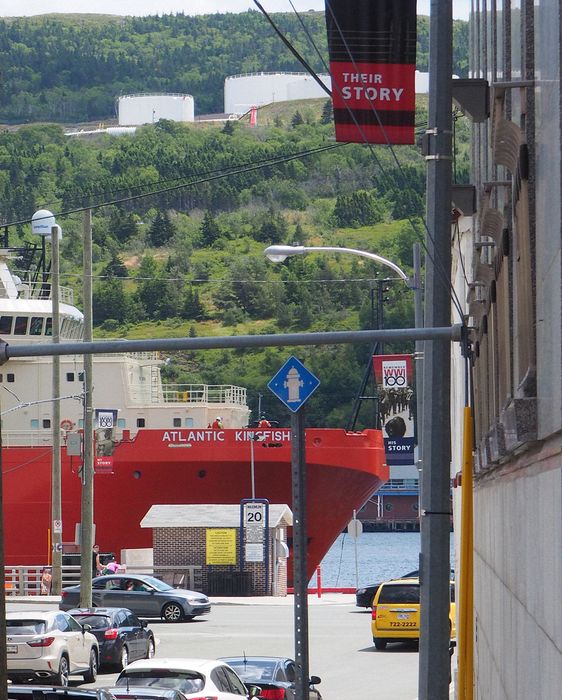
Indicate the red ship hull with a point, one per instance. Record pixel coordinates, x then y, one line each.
184 467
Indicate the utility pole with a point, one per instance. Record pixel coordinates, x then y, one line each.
418 361
87 521
434 662
56 496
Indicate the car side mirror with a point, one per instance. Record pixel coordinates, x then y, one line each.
314 680
144 623
86 628
253 690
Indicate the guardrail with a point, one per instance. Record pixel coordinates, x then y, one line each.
26 580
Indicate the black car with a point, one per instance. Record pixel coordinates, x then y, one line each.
121 636
54 692
364 596
146 596
275 675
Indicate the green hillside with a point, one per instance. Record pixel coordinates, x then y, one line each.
71 68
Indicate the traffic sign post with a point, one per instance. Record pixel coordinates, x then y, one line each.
293 385
254 533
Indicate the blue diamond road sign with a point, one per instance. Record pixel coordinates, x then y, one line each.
293 384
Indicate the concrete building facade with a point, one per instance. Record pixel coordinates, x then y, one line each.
507 268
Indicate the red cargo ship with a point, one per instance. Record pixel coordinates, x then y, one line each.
159 450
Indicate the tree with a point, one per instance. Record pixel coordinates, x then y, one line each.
161 230
297 119
327 113
210 231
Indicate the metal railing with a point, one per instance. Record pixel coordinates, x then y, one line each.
204 393
26 580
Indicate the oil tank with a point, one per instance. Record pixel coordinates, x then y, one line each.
245 90
145 108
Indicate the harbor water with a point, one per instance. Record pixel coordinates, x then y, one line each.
380 556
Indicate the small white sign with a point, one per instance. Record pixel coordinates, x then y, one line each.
57 527
254 514
253 552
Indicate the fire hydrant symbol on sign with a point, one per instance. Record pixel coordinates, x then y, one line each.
293 384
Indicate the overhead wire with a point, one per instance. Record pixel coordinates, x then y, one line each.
215 175
437 261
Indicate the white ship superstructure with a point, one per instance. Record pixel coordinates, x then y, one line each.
129 383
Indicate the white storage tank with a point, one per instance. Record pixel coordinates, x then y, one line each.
244 91
134 110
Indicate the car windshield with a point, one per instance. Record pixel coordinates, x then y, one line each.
185 681
252 669
14 627
95 621
156 583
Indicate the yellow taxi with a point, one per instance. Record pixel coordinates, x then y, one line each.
395 615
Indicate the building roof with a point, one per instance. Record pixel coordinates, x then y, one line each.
209 515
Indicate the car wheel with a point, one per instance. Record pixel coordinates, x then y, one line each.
172 612
150 649
64 671
380 644
92 672
124 660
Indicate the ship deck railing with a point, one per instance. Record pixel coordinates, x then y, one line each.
26 580
43 290
204 393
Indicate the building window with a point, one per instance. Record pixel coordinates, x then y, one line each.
189 422
6 325
81 376
49 326
46 422
34 423
36 325
20 327
177 422
70 376
121 423
140 423
388 506
81 423
11 377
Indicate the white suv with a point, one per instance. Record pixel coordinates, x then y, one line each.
49 645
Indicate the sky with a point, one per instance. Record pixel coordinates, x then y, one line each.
9 8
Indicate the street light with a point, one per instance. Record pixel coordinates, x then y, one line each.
43 224
279 253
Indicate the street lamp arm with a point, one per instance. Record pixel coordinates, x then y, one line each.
278 253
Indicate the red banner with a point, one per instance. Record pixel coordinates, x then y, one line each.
372 46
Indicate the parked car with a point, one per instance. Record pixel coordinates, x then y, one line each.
195 678
49 646
121 636
50 692
395 616
275 675
364 596
146 596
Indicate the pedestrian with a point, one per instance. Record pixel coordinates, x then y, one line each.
110 567
96 563
263 422
46 579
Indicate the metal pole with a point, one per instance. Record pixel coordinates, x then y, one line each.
355 546
300 576
252 474
56 502
87 524
434 662
418 363
3 651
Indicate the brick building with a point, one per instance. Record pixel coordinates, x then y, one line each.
206 537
